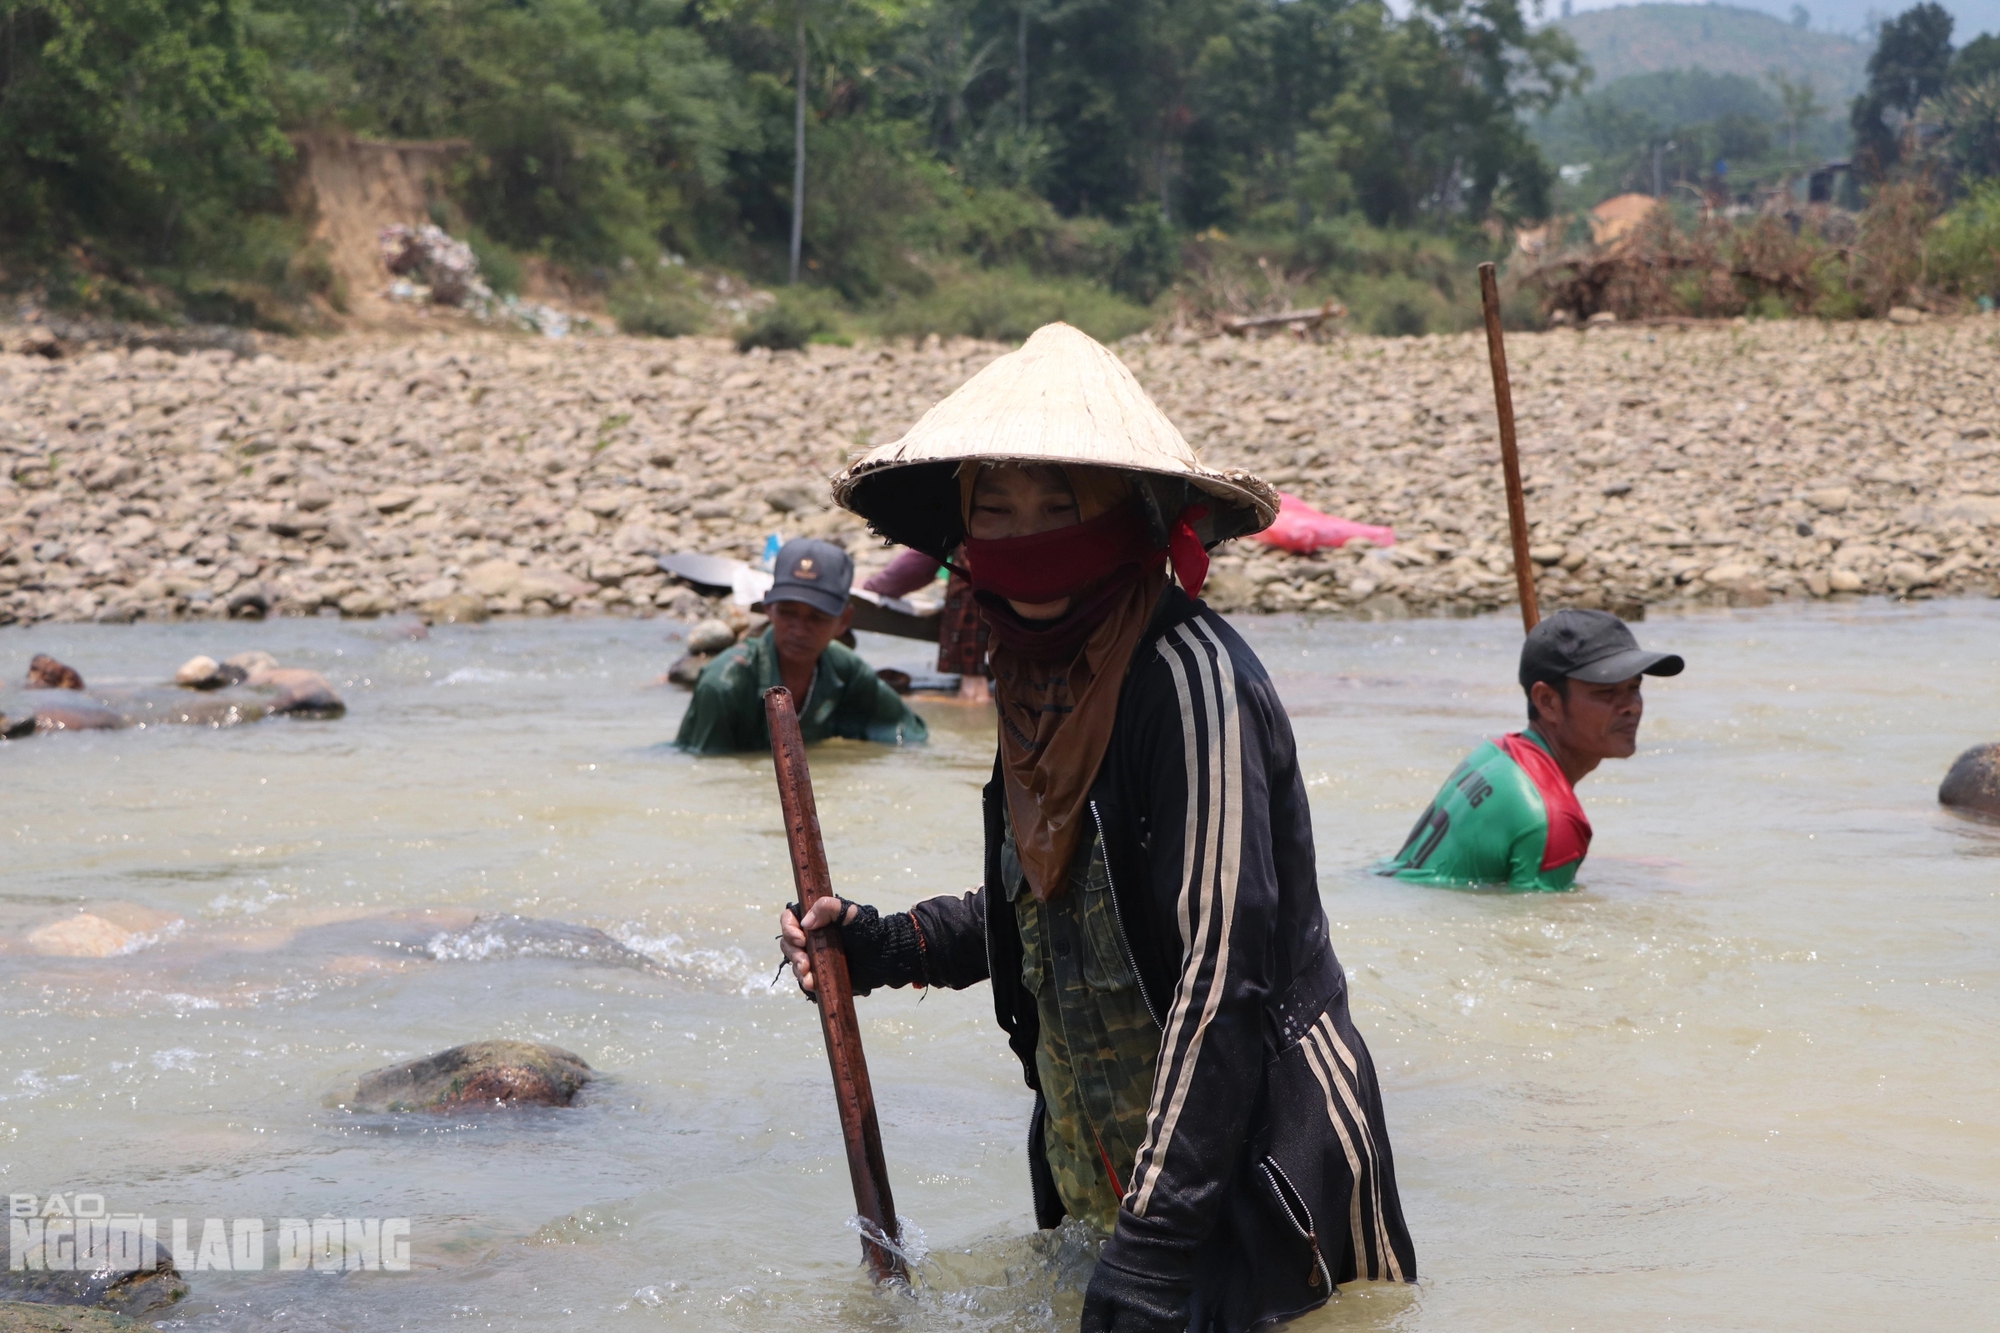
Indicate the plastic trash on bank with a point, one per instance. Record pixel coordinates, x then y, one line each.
1301 529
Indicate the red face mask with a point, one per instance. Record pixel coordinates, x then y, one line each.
1048 566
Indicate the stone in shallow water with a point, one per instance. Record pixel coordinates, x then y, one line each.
45 673
125 1273
500 935
480 1073
687 669
710 637
104 930
201 673
1973 784
454 608
252 662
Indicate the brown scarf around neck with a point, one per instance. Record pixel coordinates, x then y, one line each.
1058 700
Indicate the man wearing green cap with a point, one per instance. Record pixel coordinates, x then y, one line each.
1509 814
835 692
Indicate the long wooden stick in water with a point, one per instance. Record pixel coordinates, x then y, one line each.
1510 456
852 1093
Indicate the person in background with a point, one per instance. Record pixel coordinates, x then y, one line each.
1509 814
961 631
834 691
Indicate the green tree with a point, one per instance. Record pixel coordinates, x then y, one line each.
1801 104
601 128
842 29
1429 124
137 124
1977 60
1968 114
942 59
1911 59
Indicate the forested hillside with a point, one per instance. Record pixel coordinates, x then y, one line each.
1722 39
894 166
1070 144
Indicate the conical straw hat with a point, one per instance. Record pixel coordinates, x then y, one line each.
1061 397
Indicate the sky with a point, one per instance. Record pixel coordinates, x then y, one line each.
1847 16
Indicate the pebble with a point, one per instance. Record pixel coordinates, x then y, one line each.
482 474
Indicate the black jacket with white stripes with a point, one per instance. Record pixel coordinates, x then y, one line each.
1265 1176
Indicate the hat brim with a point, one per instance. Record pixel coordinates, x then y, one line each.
819 599
1629 663
916 504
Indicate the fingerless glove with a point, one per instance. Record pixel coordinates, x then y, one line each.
881 950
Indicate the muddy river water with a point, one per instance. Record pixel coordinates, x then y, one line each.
1743 1078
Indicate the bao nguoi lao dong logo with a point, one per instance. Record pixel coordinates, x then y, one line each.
76 1232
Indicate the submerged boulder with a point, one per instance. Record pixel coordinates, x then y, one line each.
298 692
1973 784
295 691
118 1270
88 715
480 1073
102 930
497 935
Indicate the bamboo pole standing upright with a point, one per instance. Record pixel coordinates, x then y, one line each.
853 1095
1510 456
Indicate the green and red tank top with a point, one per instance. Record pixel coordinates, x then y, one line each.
1507 815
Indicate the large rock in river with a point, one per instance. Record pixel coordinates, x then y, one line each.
123 1272
480 1073
1973 785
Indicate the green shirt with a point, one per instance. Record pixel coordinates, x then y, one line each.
1507 815
1098 1044
847 699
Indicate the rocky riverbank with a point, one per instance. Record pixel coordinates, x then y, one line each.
487 474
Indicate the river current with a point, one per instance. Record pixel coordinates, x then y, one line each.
1742 1078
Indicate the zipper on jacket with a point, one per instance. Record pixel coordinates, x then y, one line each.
1118 918
1298 1215
989 856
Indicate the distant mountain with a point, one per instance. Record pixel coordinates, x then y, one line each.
1859 17
1647 39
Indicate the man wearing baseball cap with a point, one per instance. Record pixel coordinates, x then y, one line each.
1509 814
835 692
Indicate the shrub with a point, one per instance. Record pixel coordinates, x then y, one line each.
799 316
663 305
497 264
1964 247
1006 305
1149 255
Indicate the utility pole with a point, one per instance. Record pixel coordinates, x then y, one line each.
1659 178
799 148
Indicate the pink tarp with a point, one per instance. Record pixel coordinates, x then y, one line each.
1301 529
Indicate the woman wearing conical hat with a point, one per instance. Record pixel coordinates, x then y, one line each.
1150 916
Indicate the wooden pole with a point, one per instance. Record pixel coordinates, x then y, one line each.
852 1093
1510 455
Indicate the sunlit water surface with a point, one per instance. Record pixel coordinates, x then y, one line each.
1743 1078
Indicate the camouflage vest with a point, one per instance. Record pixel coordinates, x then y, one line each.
1098 1044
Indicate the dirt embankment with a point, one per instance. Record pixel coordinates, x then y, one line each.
371 475
350 189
